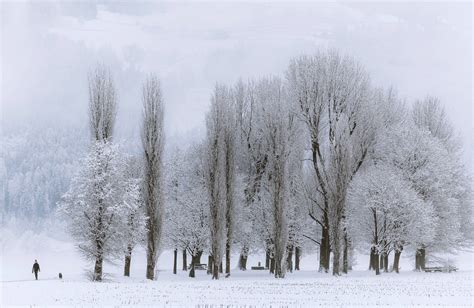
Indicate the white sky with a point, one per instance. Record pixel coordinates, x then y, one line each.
47 49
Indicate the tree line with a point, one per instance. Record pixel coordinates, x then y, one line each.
315 160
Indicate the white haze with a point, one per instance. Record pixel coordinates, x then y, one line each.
48 48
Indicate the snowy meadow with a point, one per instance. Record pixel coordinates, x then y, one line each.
304 288
252 161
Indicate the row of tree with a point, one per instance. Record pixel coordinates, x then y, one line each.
320 157
319 160
115 201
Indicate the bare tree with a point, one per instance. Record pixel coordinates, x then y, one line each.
215 172
229 149
187 207
279 133
102 104
252 161
93 206
331 92
429 114
306 78
102 113
153 142
135 225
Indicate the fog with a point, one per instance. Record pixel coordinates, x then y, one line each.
48 48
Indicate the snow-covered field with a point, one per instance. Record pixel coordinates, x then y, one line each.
300 289
250 288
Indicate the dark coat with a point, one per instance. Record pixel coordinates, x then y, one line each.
36 267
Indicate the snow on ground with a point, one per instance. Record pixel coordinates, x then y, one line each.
250 288
301 289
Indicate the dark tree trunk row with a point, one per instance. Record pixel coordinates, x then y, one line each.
269 261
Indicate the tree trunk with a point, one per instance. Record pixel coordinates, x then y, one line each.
277 267
150 265
227 258
195 259
297 258
98 269
128 261
209 265
372 258
150 252
126 269
152 142
221 268
336 251
396 261
381 261
175 260
243 262
417 261
420 259
385 262
100 246
289 259
345 254
185 261
376 263
272 265
215 270
267 259
375 243
335 261
324 248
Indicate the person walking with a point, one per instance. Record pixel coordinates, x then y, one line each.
36 269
